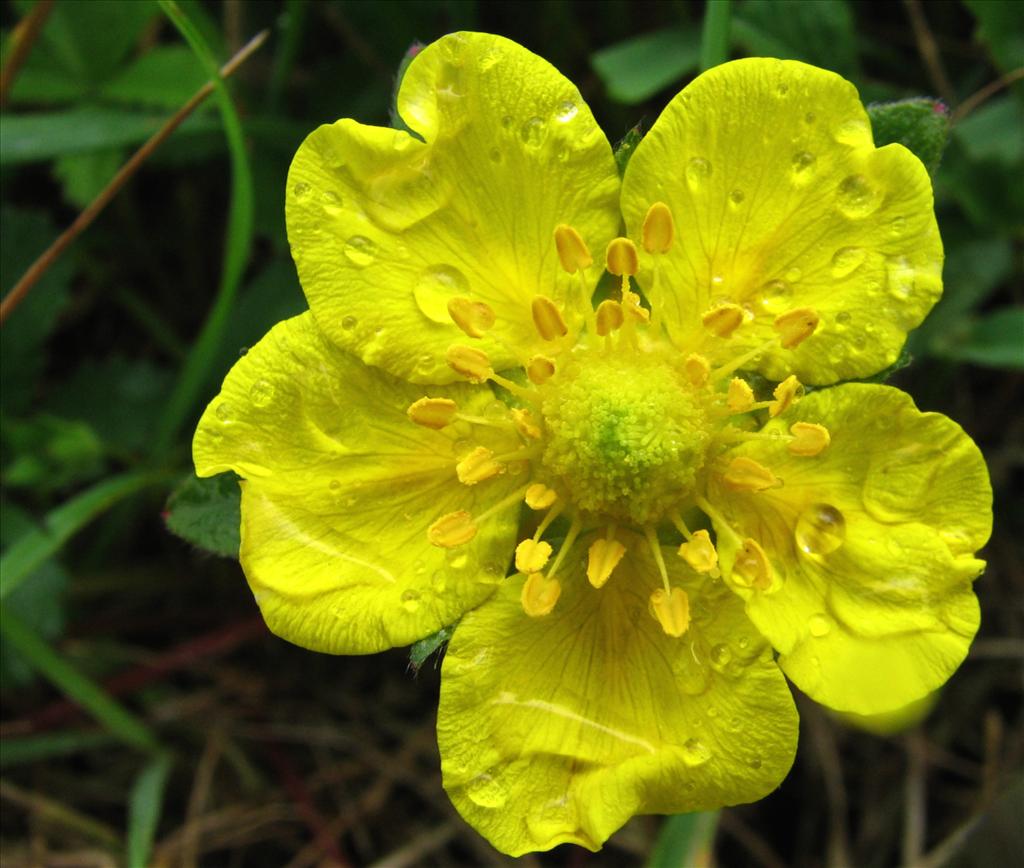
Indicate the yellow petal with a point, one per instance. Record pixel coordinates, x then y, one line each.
340 489
788 205
561 728
386 227
872 543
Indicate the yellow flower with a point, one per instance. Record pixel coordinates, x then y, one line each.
453 408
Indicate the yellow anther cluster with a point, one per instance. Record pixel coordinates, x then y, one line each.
785 394
540 369
671 608
532 556
477 466
621 258
473 364
809 438
573 253
795 326
699 552
609 317
698 369
436 413
723 320
525 423
454 529
475 318
539 496
659 229
602 558
745 474
539 595
751 568
547 318
740 397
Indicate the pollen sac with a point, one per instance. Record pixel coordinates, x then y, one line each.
539 595
525 423
785 394
751 568
453 529
631 306
532 556
477 466
698 369
602 558
573 253
539 496
740 397
547 318
672 610
475 318
659 229
745 474
609 317
699 552
723 320
436 413
621 257
540 369
795 326
809 438
473 364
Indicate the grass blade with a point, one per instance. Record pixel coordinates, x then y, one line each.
144 805
714 41
685 840
35 748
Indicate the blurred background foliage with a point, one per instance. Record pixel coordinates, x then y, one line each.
147 716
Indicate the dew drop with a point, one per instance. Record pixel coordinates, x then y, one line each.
439 581
459 560
773 296
566 111
507 122
301 189
819 625
332 199
410 600
223 412
782 89
820 529
495 155
488 61
487 791
803 165
698 170
810 117
334 485
898 226
857 199
720 655
901 277
533 133
853 132
435 287
261 393
755 763
348 323
793 275
360 251
843 317
847 260
695 753
736 197
743 642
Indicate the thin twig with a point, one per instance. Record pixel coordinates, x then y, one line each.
60 814
24 38
416 851
929 51
823 738
914 817
92 211
987 92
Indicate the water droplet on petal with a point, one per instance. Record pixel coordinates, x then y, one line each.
720 655
487 791
810 117
782 89
301 189
436 286
223 411
843 317
854 132
755 763
439 581
495 155
898 225
857 199
348 323
410 600
803 166
773 296
698 170
901 276
566 111
847 260
736 197
261 393
695 753
334 484
360 251
819 625
793 275
332 199
533 133
507 121
820 529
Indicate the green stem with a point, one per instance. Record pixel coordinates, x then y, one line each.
714 40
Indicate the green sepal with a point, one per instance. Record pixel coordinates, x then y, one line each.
420 651
625 148
394 118
920 124
207 513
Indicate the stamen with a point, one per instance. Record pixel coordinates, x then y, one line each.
602 558
723 320
473 364
809 438
631 305
740 397
531 556
659 559
609 317
539 496
751 568
573 253
745 474
795 326
539 595
671 607
504 503
621 259
697 369
659 230
475 318
477 466
540 369
525 423
547 318
523 392
699 552
436 413
453 529
548 519
570 538
785 394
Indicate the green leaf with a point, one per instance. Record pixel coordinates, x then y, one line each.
1001 28
625 148
821 33
714 38
995 340
144 806
83 176
165 77
921 125
421 650
684 839
638 68
37 748
207 513
47 453
994 132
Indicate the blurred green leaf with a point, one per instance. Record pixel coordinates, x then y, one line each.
1001 28
684 840
995 340
165 77
144 807
638 68
991 196
821 33
625 148
83 176
36 748
47 453
207 513
921 125
714 37
994 132
25 235
421 651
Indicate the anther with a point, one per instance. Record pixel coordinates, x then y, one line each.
435 413
809 438
672 610
473 364
723 320
539 496
609 317
547 318
785 394
745 474
475 318
699 552
751 568
539 595
740 397
525 424
795 326
540 369
697 369
532 555
573 253
659 229
453 529
631 305
621 258
477 466
603 557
